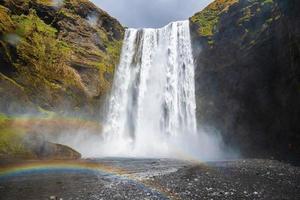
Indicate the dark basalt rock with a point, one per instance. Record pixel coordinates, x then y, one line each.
247 77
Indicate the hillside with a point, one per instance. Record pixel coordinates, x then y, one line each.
247 77
56 57
57 60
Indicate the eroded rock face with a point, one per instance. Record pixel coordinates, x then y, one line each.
63 55
247 76
11 104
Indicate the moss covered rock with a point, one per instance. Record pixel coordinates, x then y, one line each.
63 55
207 20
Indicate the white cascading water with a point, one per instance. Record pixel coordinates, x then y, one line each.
152 104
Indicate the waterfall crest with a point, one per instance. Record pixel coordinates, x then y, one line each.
152 103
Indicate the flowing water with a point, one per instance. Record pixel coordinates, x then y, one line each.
152 104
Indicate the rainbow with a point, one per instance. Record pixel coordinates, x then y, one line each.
36 167
16 169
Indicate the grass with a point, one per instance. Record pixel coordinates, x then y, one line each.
247 15
32 23
3 118
11 142
267 2
110 59
11 139
42 61
45 2
45 56
208 18
6 24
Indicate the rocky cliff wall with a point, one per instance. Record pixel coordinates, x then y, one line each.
56 56
247 77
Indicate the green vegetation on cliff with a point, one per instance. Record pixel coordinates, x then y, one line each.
209 17
63 56
56 59
251 18
11 139
3 118
11 143
43 54
6 24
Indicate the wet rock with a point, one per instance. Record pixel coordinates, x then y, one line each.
247 75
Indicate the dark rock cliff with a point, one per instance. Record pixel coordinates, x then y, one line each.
56 56
248 76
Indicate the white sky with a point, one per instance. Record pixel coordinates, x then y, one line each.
151 13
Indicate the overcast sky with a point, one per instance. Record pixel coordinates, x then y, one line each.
150 13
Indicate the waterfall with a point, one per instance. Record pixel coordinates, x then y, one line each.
152 103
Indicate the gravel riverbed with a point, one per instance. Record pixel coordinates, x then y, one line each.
157 179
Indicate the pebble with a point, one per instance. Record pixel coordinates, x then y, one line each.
215 194
187 186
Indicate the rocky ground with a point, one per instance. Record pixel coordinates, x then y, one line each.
159 179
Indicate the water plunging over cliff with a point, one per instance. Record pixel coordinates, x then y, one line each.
152 104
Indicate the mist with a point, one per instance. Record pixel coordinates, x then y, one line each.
206 145
151 14
87 138
152 126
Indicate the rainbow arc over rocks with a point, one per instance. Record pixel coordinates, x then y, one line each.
48 166
29 168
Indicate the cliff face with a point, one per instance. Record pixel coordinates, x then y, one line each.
247 77
56 55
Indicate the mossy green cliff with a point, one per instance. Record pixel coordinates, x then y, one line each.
208 19
56 57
